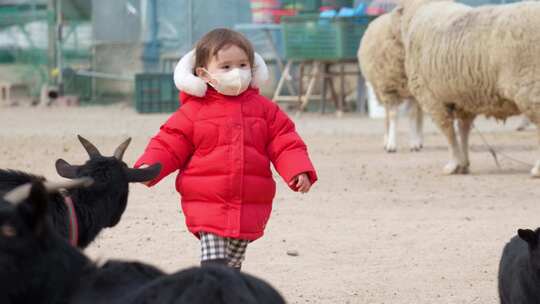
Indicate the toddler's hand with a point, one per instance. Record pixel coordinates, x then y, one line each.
301 183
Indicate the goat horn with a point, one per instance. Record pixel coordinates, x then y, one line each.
119 152
89 147
22 192
69 184
18 194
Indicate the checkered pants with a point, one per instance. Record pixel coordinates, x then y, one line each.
217 247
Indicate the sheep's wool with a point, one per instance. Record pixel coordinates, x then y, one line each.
482 60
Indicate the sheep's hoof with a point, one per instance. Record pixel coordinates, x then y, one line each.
455 168
416 147
535 172
451 168
390 149
416 143
463 169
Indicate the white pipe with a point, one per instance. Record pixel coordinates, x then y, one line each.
105 75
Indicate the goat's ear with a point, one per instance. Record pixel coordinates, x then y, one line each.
528 236
64 169
34 208
143 175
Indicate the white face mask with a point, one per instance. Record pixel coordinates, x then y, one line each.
231 83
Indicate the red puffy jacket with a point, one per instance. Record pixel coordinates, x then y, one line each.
223 147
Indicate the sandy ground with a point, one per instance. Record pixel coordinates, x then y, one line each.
377 227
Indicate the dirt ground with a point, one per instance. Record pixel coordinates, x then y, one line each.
376 228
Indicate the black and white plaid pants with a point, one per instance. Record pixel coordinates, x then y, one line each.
216 247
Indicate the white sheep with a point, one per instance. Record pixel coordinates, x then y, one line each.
462 62
381 58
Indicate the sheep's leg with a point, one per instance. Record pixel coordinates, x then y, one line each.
391 128
420 123
464 125
535 172
445 121
386 126
416 121
453 166
527 99
533 116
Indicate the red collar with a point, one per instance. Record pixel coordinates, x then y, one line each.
73 228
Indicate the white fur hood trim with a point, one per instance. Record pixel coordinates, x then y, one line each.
187 82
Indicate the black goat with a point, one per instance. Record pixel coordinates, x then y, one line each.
38 266
519 269
81 214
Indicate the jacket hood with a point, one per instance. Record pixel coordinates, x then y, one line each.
187 82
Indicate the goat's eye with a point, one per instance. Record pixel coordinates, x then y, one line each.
8 231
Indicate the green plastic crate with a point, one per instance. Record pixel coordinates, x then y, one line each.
314 38
313 6
338 3
77 85
155 93
302 5
6 56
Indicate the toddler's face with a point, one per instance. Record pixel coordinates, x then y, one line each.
227 58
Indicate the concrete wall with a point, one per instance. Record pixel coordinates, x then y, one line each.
119 59
116 21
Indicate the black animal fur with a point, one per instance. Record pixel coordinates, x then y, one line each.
97 207
519 269
38 266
